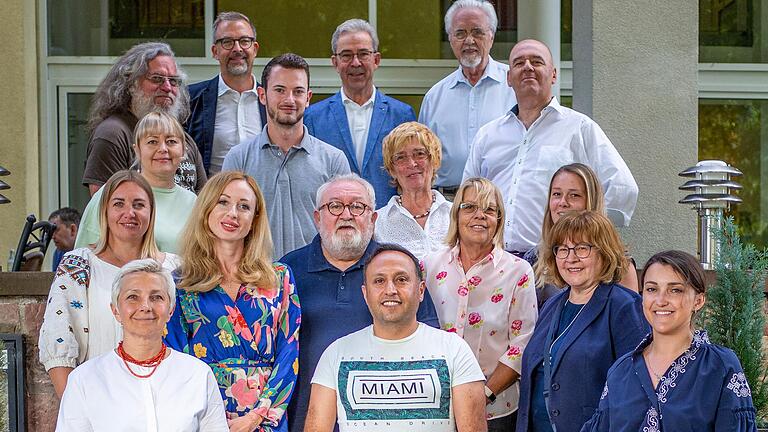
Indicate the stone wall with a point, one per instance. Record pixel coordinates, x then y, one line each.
22 305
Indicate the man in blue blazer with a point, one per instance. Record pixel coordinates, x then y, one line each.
225 110
357 118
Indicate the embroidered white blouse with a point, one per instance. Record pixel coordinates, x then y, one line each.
492 306
72 332
396 225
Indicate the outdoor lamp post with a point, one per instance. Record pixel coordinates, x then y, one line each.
711 196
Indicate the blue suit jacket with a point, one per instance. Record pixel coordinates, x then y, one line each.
610 325
203 97
327 120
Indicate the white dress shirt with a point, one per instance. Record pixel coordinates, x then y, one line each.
237 120
396 225
359 120
521 163
455 110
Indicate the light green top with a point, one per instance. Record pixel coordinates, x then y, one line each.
173 209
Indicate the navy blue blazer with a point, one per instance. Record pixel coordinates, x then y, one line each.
327 120
203 97
610 325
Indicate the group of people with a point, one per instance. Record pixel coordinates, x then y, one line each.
462 272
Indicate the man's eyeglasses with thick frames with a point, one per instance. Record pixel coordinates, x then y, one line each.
347 56
245 42
336 208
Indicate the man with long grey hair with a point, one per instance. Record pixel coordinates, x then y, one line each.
143 79
475 93
329 273
359 116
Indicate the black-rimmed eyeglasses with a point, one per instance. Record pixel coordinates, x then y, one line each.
347 56
229 43
580 250
336 208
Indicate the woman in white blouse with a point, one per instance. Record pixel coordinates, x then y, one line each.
485 294
142 384
78 324
418 217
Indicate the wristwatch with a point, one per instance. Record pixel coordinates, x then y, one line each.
490 395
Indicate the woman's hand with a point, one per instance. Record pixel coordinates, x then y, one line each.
247 423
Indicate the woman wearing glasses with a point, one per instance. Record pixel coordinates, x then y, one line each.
418 217
582 330
484 294
235 309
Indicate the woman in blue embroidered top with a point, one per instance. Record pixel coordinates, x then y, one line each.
676 379
236 310
580 331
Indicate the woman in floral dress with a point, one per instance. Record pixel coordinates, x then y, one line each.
236 310
485 295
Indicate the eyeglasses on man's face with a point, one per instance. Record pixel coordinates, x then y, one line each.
336 208
402 158
245 42
159 80
581 250
346 56
476 33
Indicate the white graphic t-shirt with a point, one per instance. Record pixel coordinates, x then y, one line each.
393 385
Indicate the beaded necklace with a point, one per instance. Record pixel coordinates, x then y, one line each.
153 362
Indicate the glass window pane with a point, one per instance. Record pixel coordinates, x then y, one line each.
730 31
77 145
110 27
411 30
300 26
732 131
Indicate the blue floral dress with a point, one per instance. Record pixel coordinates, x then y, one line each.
251 344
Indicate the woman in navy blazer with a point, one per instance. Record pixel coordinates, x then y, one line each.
582 330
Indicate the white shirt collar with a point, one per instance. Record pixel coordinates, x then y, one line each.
346 100
223 87
493 70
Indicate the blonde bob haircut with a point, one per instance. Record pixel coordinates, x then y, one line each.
156 123
585 227
401 136
486 192
200 270
148 246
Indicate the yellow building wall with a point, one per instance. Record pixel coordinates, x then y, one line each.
19 132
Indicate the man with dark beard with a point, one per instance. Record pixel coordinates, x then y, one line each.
287 162
142 80
458 105
329 274
225 110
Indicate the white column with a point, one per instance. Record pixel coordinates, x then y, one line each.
540 19
635 73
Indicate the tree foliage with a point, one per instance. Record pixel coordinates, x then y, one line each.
733 315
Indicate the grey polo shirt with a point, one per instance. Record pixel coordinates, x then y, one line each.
289 183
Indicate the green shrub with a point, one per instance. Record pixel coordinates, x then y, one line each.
734 314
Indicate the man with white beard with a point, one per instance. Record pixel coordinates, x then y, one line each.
142 80
456 107
329 274
225 110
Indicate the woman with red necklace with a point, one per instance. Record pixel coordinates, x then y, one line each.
143 384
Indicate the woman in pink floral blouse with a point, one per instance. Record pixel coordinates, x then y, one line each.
485 295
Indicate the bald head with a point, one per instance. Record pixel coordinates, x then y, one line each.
531 72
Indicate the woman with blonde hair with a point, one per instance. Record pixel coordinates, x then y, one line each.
236 309
485 294
159 149
418 217
78 324
574 187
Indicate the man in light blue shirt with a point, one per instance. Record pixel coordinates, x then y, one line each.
456 107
